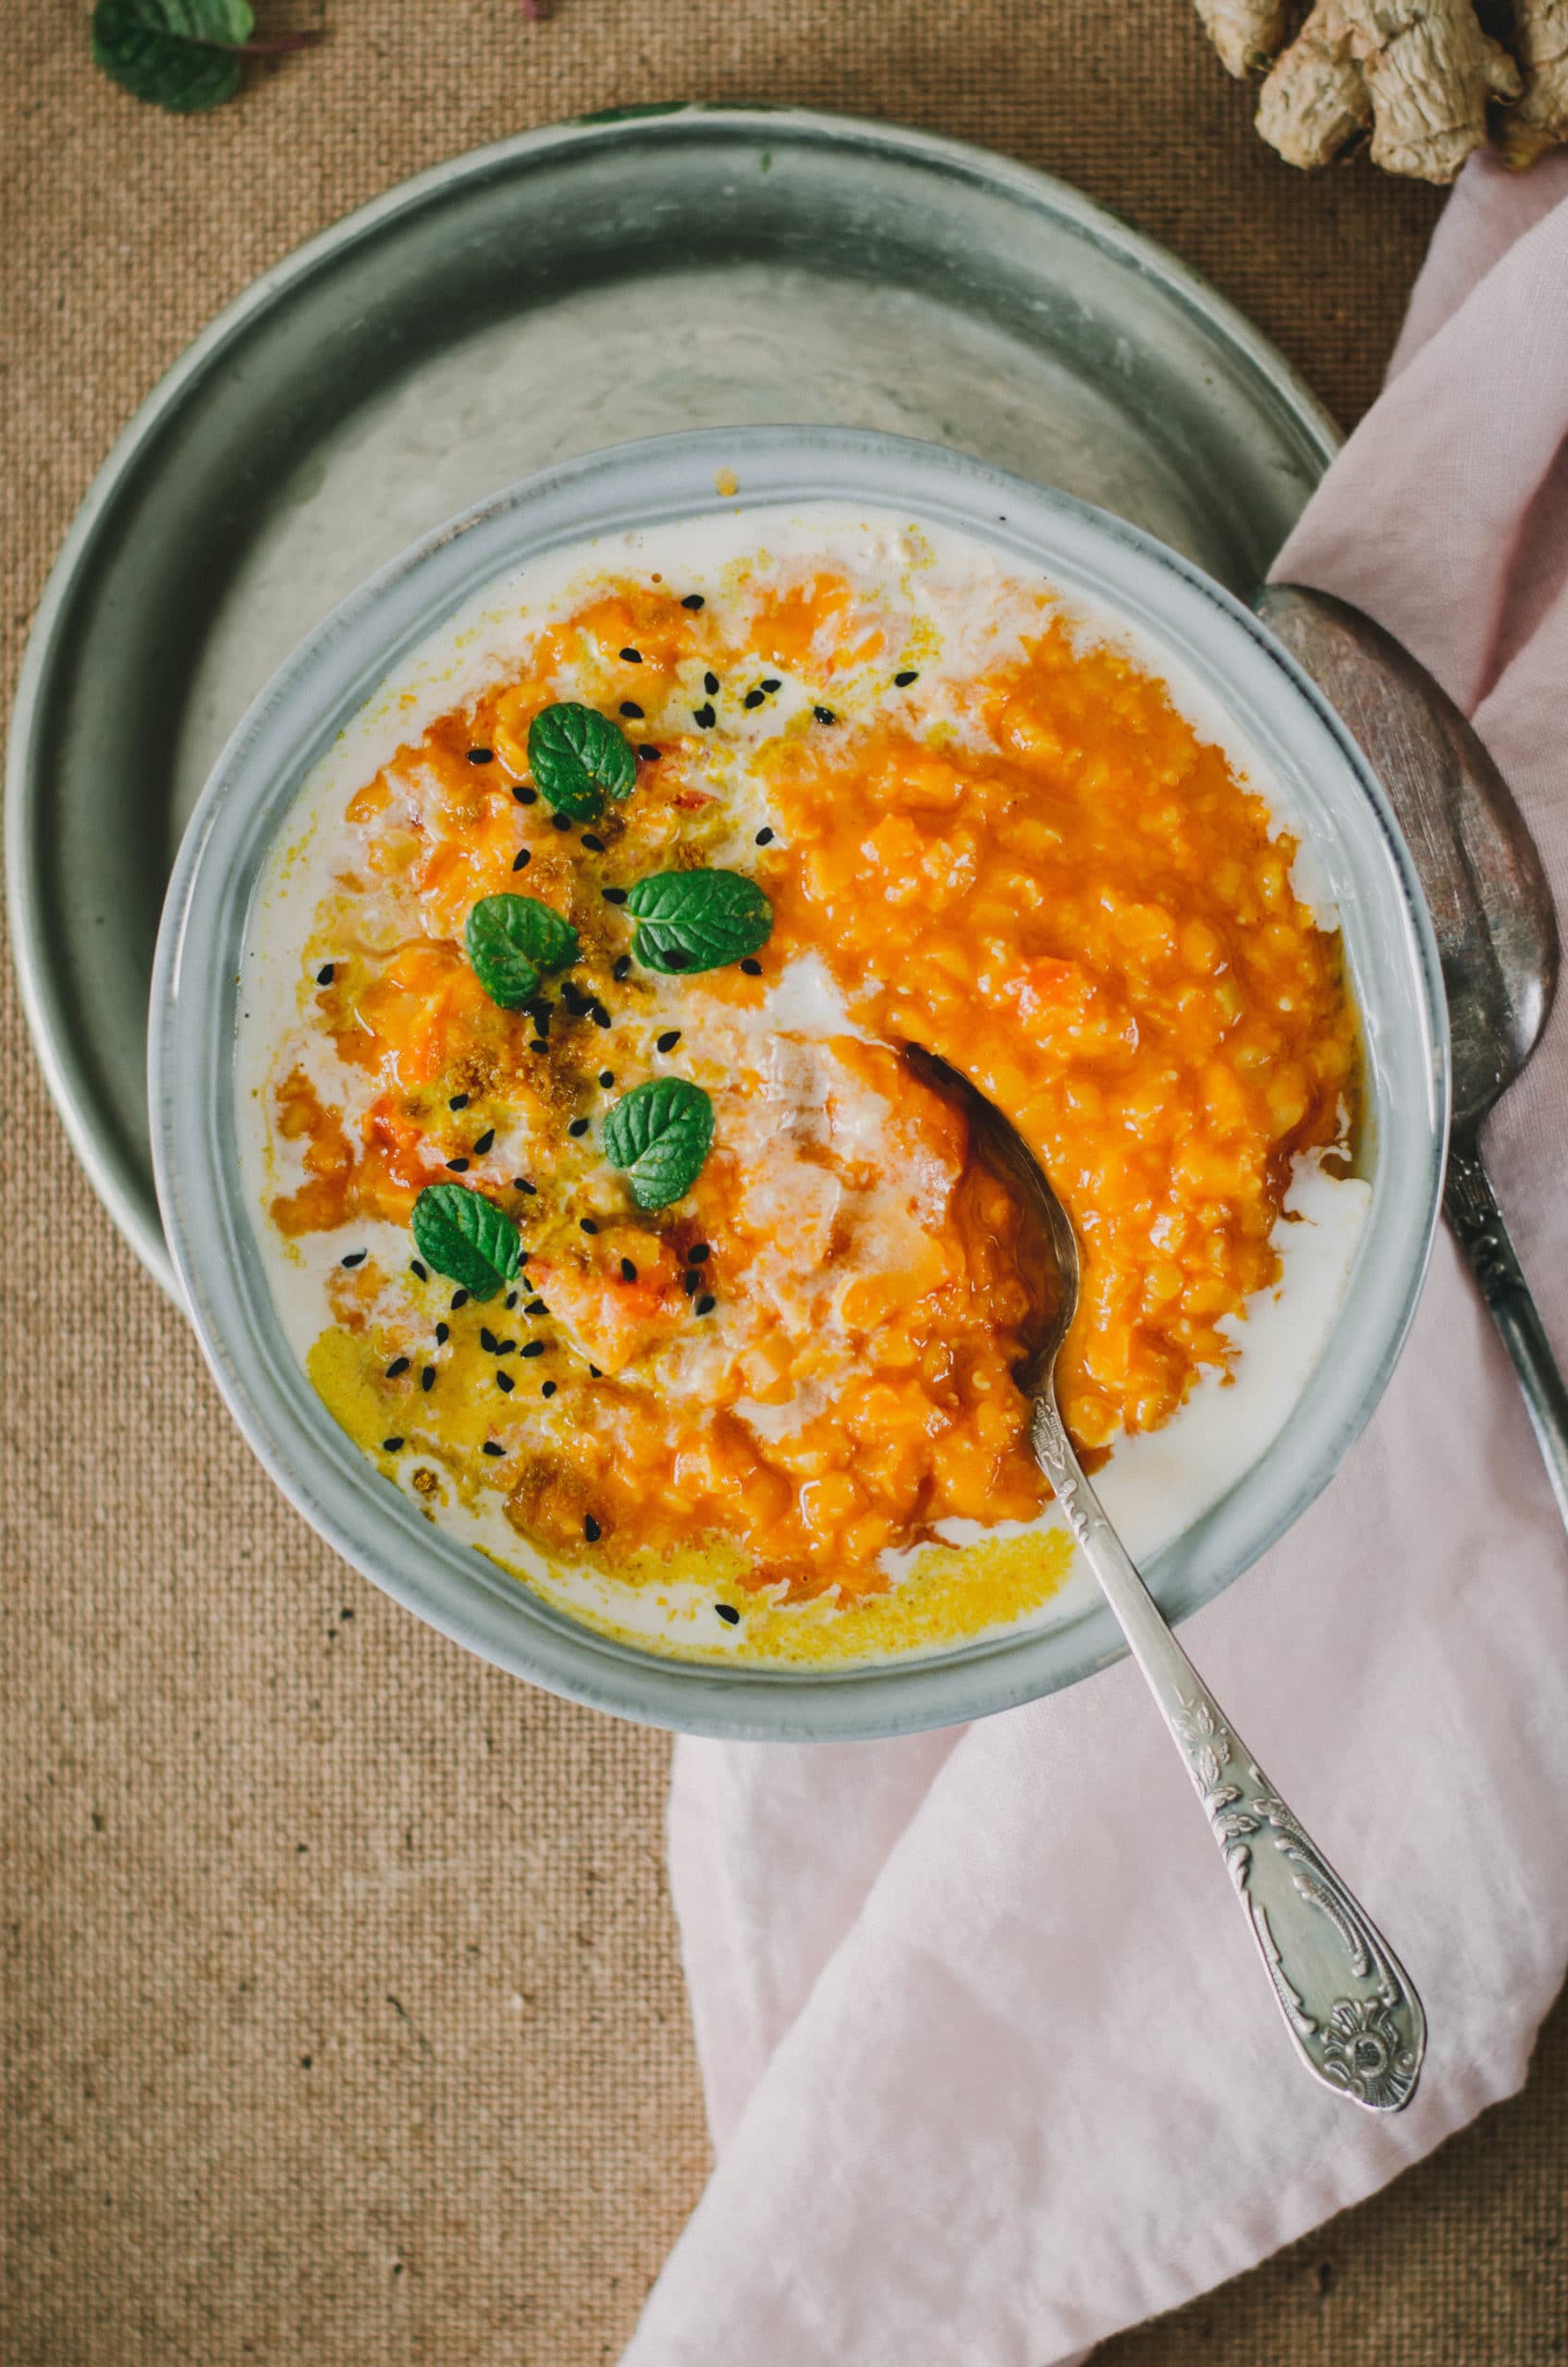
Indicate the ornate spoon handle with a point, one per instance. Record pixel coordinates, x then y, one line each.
1472 1209
1347 2000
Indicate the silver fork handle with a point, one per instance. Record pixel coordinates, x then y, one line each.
1471 1207
1347 2001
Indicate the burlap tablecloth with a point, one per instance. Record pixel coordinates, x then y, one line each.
343 2020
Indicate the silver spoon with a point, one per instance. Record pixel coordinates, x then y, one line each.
1495 927
1347 2001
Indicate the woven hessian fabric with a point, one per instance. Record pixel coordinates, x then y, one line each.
342 2016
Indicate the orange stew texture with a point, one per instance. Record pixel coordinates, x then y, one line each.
1035 867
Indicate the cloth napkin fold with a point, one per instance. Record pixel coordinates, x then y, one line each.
990 2065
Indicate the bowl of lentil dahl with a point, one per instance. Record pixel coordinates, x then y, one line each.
556 1209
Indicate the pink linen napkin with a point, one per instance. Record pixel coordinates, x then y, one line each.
990 2065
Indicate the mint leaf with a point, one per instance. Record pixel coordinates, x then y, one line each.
466 1237
511 940
578 757
660 1133
698 920
178 54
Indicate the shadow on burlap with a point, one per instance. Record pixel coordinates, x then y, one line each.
342 2010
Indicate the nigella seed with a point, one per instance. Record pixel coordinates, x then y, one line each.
577 1128
710 685
415 1268
536 1307
490 1447
549 1390
323 976
599 1015
825 715
668 1040
613 895
591 1528
693 600
698 1253
690 1284
488 1341
595 1373
533 1347
649 755
390 1446
505 1382
586 1224
486 1142
481 755
752 966
674 959
537 1044
707 1304
606 1078
772 682
752 698
459 1298
522 1184
622 969
632 657
901 681
457 1101
507 1348
457 1166
703 717
397 1364
595 844
443 1333
511 1301
764 836
521 860
524 795
427 1378
355 1258
560 821
630 707
728 1614
627 1270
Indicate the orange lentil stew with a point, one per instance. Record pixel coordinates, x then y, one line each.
789 1338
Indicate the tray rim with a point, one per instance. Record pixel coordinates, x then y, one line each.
44 1005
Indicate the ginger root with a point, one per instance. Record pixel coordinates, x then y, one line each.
1421 77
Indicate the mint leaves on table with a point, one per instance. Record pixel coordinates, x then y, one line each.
660 1133
698 920
466 1237
182 54
511 941
578 759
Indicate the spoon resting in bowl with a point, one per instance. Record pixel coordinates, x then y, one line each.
1348 2002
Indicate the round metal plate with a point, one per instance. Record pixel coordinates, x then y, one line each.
659 269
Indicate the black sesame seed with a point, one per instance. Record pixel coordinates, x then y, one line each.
536 1307
397 1364
825 715
486 1142
577 1128
752 698
459 1298
595 844
507 1348
673 957
632 657
627 1270
631 707
560 821
549 1390
752 966
606 1078
764 837
521 860
703 717
537 1044
355 1258
533 1347
524 795
649 755
522 1184
693 600
390 1446
488 1341
481 755
323 976
613 895
511 1301
490 1447
690 1284
457 1166
443 1333
668 1040
415 1268
772 682
728 1614
599 1015
596 1373
591 1528
505 1382
699 1251
427 1378
586 1224
707 1304
902 681
710 683
457 1101
622 968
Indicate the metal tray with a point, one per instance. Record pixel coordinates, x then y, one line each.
652 269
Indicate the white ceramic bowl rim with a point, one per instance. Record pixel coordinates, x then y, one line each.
1389 942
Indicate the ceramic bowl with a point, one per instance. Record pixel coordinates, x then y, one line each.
1322 779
